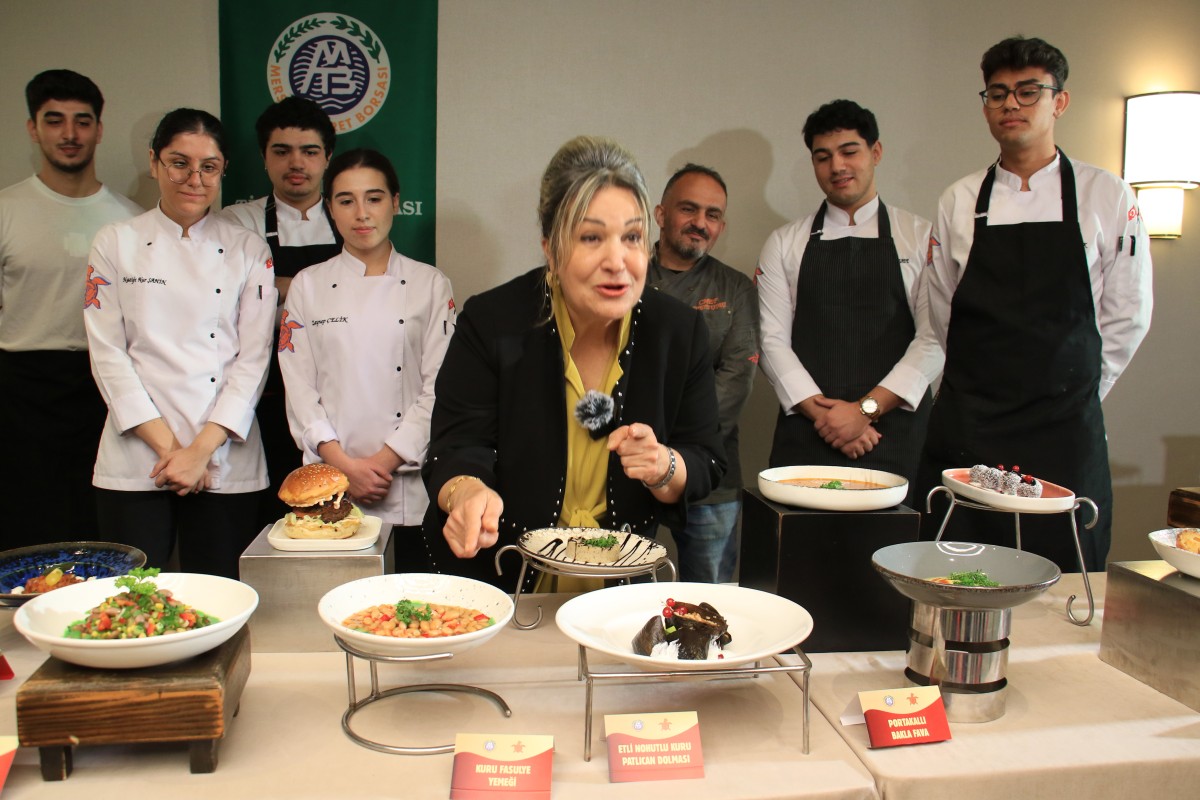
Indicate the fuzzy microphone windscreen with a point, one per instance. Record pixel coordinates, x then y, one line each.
594 411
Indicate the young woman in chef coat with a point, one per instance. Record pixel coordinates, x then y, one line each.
361 343
179 308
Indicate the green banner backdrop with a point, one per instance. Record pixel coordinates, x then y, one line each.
371 65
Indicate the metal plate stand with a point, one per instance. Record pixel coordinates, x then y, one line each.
955 501
585 674
356 704
621 574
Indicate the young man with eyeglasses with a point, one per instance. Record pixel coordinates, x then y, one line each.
50 410
1040 291
297 140
847 343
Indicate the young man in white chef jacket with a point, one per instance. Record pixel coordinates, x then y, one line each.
50 410
296 139
846 339
1040 291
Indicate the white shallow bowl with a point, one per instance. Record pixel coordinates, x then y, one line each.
896 488
1055 499
761 624
450 590
44 619
1182 560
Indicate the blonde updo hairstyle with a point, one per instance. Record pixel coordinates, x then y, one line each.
582 167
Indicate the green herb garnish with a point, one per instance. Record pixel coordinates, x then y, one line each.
603 542
412 611
974 578
133 582
834 484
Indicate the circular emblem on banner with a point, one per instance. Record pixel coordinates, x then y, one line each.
334 60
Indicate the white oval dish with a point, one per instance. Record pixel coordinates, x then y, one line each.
1182 560
44 619
894 491
451 590
760 623
548 545
1055 499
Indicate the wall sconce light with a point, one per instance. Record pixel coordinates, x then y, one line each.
1162 156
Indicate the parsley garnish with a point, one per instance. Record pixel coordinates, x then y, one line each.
834 484
412 611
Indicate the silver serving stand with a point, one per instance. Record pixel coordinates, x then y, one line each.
956 501
357 705
623 574
585 673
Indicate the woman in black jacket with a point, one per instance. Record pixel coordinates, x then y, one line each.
507 454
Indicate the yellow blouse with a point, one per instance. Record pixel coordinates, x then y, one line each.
584 499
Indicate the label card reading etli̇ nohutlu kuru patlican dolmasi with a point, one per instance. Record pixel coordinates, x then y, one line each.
654 747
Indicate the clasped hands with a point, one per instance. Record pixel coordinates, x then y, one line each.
841 425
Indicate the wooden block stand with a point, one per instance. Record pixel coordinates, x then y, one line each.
62 705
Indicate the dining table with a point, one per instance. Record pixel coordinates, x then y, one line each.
287 739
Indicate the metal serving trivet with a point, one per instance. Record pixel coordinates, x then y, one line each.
585 674
357 705
622 574
955 501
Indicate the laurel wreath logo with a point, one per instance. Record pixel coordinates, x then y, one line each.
363 36
293 33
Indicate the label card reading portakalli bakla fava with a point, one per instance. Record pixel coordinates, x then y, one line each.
654 747
502 766
914 715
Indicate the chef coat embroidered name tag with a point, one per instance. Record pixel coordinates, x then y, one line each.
502 766
913 715
143 279
316 323
653 747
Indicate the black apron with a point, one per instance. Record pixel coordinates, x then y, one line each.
280 447
852 324
1022 379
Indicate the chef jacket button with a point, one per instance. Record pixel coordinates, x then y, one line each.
399 368
398 414
220 249
403 282
401 322
218 291
212 380
212 336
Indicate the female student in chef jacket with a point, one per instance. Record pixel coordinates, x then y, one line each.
179 309
360 345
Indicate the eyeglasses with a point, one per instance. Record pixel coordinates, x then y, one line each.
179 171
1027 94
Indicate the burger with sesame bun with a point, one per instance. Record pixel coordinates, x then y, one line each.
320 507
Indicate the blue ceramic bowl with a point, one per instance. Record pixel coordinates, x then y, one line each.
83 559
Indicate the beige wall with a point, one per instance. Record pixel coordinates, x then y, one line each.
720 82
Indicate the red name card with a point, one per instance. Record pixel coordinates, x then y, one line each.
492 766
654 747
914 715
8 749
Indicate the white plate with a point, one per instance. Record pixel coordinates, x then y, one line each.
549 545
366 535
1054 498
1182 560
894 491
44 619
760 623
450 590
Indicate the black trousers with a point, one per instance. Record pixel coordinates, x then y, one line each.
212 529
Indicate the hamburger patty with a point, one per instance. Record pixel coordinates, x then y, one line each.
328 512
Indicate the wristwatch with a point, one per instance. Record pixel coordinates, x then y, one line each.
869 408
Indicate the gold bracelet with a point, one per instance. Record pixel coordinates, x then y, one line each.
454 485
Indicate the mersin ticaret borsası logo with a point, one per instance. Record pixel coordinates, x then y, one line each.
334 60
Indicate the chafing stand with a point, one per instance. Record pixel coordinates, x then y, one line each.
955 500
585 674
622 574
356 704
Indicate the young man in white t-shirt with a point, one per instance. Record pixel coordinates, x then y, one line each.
50 411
